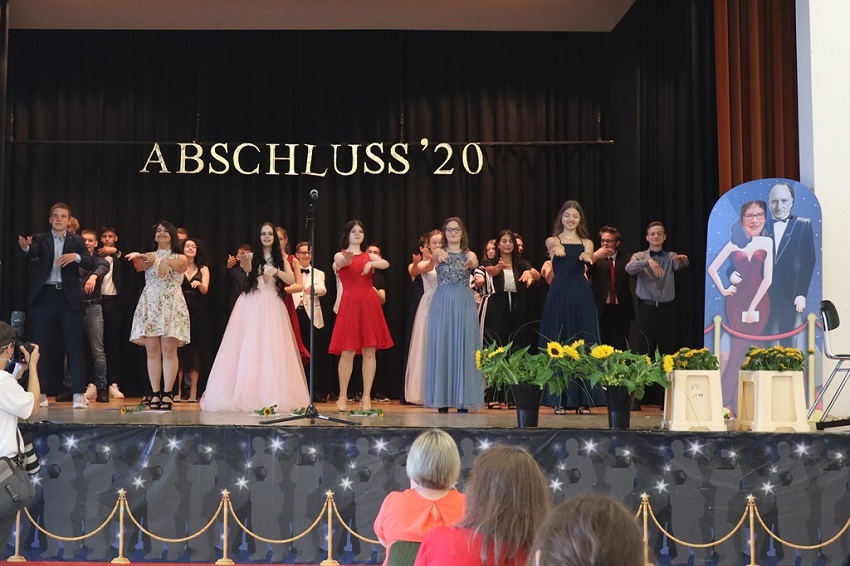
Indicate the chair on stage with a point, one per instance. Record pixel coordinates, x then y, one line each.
830 323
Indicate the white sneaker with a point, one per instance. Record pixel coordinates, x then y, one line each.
114 392
80 401
91 391
42 400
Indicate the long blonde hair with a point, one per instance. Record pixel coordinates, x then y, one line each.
507 500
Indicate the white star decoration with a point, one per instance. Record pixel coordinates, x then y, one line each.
173 443
555 485
242 483
589 446
660 486
802 449
138 482
346 484
485 444
70 442
695 448
767 487
277 444
380 445
36 480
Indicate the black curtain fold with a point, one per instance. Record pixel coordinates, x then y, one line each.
646 80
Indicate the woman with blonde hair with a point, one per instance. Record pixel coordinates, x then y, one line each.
589 530
507 500
433 466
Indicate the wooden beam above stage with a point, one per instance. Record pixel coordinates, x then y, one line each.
470 15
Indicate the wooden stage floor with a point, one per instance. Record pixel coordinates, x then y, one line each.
395 416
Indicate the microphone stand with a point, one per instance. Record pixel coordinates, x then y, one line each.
311 412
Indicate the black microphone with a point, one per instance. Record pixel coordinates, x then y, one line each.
314 194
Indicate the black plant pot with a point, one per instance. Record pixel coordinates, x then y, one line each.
619 402
527 399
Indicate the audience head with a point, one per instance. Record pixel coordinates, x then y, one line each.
182 234
454 231
433 460
588 530
351 235
8 337
506 501
571 216
165 235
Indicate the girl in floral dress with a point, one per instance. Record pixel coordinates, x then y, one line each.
161 320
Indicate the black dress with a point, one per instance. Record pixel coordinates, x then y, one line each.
193 355
504 315
569 314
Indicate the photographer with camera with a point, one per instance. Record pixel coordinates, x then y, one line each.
15 403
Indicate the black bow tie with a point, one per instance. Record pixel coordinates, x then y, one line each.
656 254
783 220
305 270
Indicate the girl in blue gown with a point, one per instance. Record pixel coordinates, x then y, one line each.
569 313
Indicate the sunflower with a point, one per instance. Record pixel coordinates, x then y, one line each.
123 410
601 351
267 411
571 352
478 359
555 350
577 344
496 352
668 363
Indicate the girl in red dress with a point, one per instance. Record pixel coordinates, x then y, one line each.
360 325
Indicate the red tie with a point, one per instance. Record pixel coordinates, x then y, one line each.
612 291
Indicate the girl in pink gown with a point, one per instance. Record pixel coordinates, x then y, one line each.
258 364
360 325
747 301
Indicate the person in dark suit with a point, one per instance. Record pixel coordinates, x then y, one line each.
610 284
56 300
793 263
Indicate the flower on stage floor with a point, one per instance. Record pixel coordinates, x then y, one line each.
266 411
127 409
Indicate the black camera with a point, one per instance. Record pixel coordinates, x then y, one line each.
17 324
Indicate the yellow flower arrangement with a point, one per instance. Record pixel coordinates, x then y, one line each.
503 366
604 365
694 359
777 358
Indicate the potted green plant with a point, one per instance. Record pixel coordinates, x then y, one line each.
623 374
521 371
771 392
695 400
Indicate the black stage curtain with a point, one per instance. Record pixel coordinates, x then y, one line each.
84 107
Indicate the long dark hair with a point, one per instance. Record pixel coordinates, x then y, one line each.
738 236
259 261
176 244
514 253
343 242
202 257
581 229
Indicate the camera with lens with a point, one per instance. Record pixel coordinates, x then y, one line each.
17 324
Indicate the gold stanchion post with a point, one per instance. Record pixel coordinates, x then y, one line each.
751 503
224 560
122 502
17 557
330 561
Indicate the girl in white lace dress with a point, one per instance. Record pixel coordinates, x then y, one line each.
161 320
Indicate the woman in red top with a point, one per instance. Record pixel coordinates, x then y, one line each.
507 500
433 466
360 326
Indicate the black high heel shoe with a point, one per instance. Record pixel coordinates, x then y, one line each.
165 403
156 401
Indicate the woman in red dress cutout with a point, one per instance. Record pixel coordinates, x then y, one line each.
747 301
360 325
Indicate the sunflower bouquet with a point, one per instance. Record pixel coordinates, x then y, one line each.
266 411
604 365
502 366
